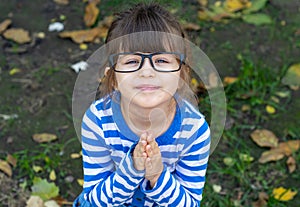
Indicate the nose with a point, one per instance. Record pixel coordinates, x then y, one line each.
146 69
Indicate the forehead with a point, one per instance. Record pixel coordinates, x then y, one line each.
147 42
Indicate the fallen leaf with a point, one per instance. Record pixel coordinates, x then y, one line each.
62 2
81 36
203 2
271 155
11 160
18 35
83 46
5 167
44 137
4 25
37 169
80 182
91 14
283 94
236 5
245 157
255 6
75 155
264 138
191 26
14 71
106 22
283 194
270 109
44 189
292 76
35 201
217 188
229 161
51 203
262 200
229 80
289 147
246 107
52 175
291 163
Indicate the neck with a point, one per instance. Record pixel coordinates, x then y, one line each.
153 120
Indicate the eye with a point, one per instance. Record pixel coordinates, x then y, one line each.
130 62
160 60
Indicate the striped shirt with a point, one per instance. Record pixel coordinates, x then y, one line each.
109 176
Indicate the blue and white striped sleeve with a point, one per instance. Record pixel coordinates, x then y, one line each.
185 185
104 183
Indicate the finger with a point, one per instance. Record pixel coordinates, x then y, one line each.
149 138
148 164
149 150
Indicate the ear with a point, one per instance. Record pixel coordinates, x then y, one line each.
106 70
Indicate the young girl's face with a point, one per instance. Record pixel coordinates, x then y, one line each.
147 88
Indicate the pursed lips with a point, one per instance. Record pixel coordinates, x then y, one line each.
147 87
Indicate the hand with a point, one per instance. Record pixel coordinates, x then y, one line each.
139 153
153 164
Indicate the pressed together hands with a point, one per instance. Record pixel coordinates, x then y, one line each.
147 156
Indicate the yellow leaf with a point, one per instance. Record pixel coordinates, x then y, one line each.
83 46
283 194
245 157
4 25
62 2
80 182
270 109
229 161
264 138
5 167
52 175
18 35
292 76
14 71
236 5
75 155
44 137
246 107
229 80
91 14
271 155
37 169
203 2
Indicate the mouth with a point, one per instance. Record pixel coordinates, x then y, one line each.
146 87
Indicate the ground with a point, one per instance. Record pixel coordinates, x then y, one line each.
41 93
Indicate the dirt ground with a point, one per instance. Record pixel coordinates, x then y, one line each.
40 94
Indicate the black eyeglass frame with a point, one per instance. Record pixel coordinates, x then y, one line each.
149 56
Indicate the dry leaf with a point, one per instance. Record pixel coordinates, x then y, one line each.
44 137
18 35
229 80
37 169
51 203
217 188
14 71
35 201
106 22
270 109
11 160
271 155
191 26
4 25
262 200
91 14
5 167
264 138
289 147
291 163
292 76
81 36
62 2
203 2
283 194
246 107
83 46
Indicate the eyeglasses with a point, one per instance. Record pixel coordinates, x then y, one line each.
128 62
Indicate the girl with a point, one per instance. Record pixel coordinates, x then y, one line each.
143 141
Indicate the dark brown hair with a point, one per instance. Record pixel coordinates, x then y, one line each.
136 20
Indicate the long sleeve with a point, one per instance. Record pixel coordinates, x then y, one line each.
104 182
184 186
